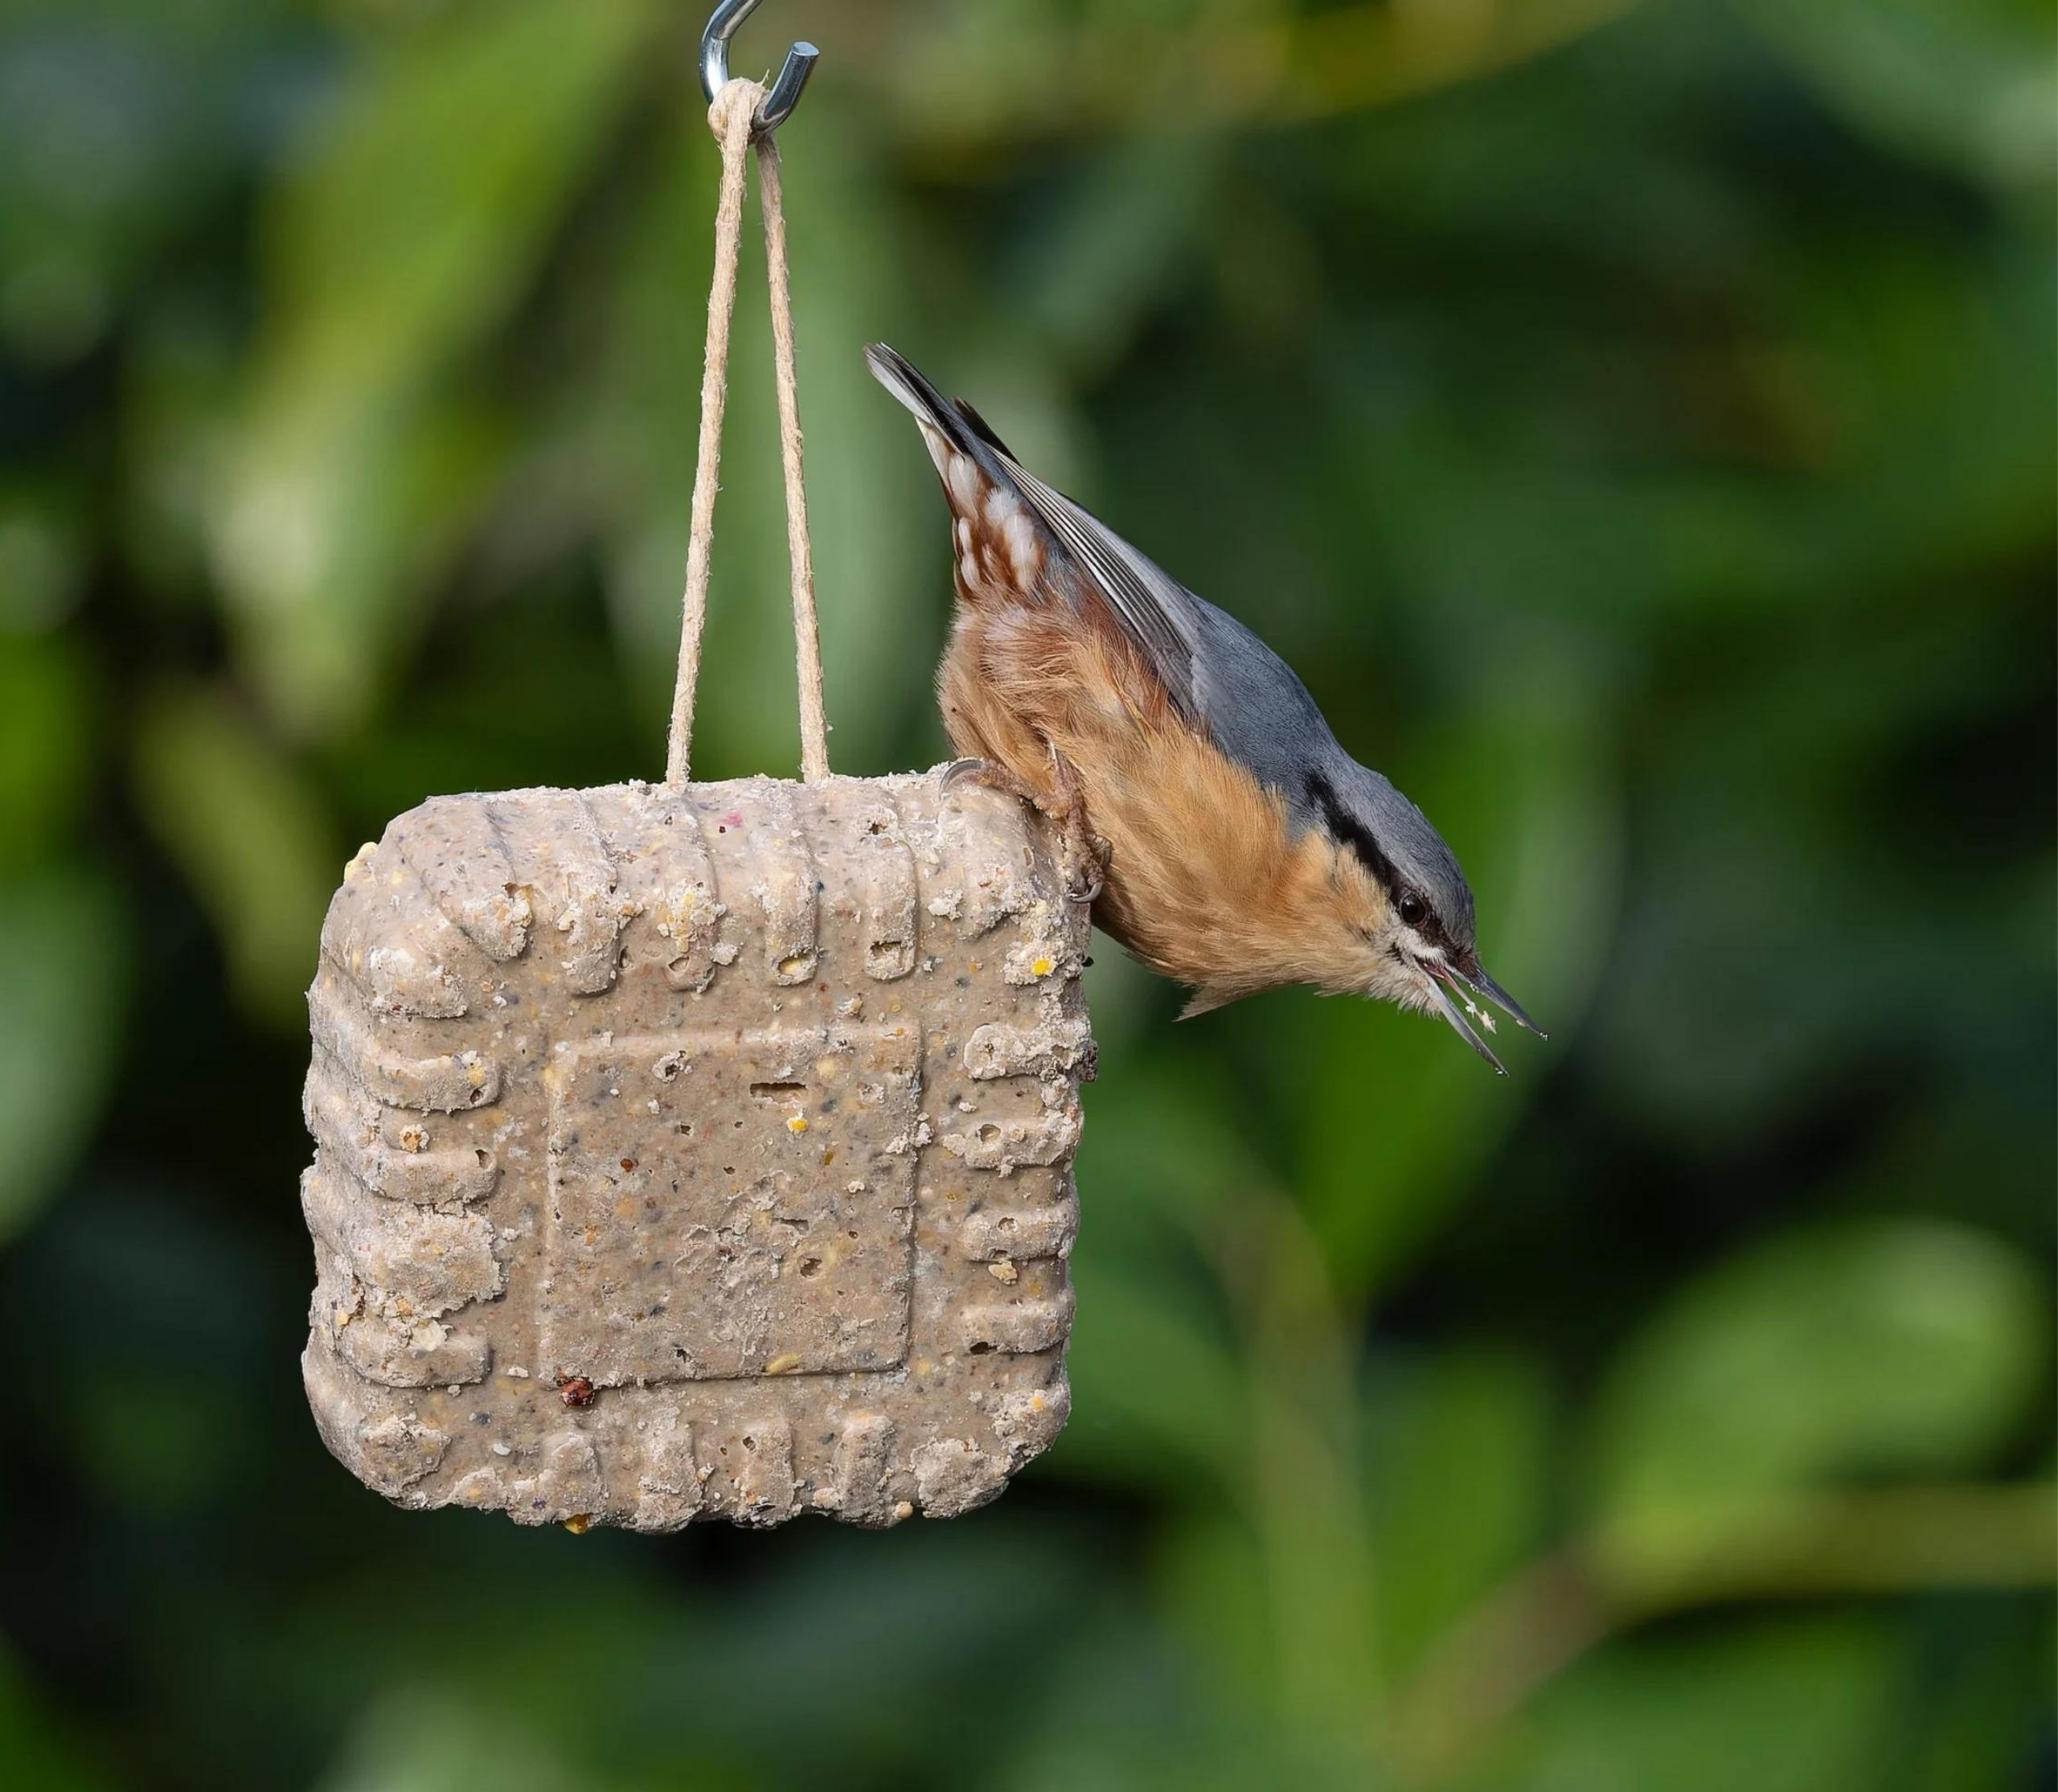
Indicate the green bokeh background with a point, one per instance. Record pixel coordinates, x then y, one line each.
1636 421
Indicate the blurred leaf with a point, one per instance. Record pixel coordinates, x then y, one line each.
1303 1465
46 719
1785 444
1796 1707
154 1439
35 1749
1210 1362
423 1739
1159 1393
1209 1574
1126 234
1138 1713
1730 1012
977 74
1524 789
64 952
250 835
175 424
1875 1346
413 227
42 555
1156 1396
1973 1742
126 122
1969 82
166 1422
1459 1470
842 1658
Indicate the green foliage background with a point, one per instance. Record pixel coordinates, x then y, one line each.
1635 421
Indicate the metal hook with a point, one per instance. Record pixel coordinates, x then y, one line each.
778 104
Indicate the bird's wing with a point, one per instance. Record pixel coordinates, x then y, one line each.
1154 610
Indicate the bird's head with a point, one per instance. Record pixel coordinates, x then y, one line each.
1417 937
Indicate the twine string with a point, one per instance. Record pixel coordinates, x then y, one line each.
729 117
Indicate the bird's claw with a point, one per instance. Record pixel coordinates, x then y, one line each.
1090 878
988 776
1086 854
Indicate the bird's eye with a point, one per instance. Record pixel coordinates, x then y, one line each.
1413 909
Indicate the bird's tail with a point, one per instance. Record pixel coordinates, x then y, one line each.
958 425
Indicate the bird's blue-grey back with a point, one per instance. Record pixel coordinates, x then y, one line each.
1219 674
1259 713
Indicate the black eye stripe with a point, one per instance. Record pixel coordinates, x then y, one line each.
1347 828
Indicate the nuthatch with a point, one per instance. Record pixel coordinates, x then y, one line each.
1243 848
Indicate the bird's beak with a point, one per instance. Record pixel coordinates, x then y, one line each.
1488 990
1454 989
1441 980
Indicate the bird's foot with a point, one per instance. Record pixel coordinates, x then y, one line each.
990 776
1086 852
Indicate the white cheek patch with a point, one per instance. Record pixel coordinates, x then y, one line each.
1408 987
1388 981
1415 999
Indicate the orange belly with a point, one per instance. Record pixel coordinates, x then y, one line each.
1206 882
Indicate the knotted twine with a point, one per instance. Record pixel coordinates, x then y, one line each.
729 118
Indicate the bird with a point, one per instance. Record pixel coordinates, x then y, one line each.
1224 837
